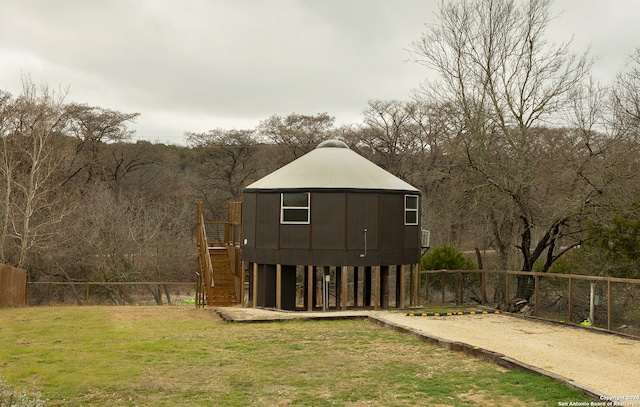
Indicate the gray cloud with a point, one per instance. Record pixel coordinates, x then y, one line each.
200 64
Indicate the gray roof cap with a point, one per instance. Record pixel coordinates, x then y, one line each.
331 165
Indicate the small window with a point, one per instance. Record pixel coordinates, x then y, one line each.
294 208
411 209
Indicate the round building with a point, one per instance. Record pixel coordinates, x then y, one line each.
332 213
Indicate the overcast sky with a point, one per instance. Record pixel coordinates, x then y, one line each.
196 65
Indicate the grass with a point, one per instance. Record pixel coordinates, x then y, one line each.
178 355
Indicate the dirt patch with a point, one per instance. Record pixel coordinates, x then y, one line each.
184 312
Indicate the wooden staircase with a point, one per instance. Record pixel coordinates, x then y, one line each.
224 289
219 274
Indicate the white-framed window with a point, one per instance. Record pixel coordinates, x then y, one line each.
411 209
294 208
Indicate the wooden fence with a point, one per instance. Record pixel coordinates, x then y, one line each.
13 286
607 302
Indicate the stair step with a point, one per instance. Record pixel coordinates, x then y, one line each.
223 292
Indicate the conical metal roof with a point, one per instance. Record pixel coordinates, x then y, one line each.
331 165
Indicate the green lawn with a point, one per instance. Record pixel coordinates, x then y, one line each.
179 355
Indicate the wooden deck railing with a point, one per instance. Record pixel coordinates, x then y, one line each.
205 277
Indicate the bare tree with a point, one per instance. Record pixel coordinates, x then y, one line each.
228 161
7 166
32 159
626 98
411 140
297 134
98 136
506 83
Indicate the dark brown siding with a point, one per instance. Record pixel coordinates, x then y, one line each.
335 235
328 221
267 220
391 221
362 212
249 219
294 236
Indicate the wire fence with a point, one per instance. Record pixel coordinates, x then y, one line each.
605 302
113 293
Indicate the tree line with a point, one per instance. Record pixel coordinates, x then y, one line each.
517 149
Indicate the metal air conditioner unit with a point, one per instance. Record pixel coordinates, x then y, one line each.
424 238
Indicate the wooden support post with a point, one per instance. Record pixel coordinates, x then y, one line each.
278 286
570 316
483 283
400 276
461 288
305 284
326 284
338 287
536 294
426 287
412 286
311 286
255 285
243 267
356 277
345 287
506 287
416 268
86 300
442 283
609 304
366 290
376 289
384 282
314 284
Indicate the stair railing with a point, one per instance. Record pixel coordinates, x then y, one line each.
206 267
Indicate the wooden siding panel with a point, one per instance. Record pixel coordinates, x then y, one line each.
294 237
362 213
249 219
328 221
267 220
391 222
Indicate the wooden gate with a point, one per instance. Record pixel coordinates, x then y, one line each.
13 286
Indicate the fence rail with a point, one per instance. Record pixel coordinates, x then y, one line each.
608 302
110 293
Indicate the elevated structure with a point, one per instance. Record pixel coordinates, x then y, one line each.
220 279
331 209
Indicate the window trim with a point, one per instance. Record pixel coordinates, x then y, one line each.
284 208
408 210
